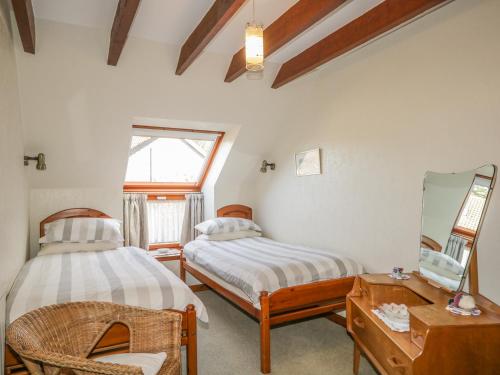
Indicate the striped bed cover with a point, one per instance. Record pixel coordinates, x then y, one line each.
126 276
441 261
260 264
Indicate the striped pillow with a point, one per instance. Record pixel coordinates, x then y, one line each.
82 230
226 225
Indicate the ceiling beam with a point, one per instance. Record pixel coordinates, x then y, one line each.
124 16
23 11
289 25
217 16
375 22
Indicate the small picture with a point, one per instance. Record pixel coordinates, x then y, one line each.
308 162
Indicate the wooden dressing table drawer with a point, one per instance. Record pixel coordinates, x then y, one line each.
418 332
381 350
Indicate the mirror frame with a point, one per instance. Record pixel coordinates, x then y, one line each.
471 268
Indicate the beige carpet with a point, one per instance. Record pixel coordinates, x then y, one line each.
229 344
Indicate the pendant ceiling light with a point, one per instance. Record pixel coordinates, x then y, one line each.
254 44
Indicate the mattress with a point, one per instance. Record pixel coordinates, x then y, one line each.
222 283
442 280
259 264
126 276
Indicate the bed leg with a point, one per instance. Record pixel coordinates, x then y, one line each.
265 334
191 348
182 270
336 318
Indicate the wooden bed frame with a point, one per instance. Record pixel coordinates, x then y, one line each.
283 305
117 337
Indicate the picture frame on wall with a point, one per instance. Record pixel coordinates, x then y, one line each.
308 162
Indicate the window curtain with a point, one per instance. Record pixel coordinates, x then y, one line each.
135 220
193 215
455 247
165 219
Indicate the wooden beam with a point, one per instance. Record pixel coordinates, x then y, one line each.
217 16
124 16
289 25
23 11
373 23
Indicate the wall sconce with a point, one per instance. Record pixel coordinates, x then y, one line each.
265 164
40 161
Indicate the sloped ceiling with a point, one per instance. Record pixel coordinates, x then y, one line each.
171 21
79 111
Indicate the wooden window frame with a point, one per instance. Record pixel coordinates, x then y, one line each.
176 187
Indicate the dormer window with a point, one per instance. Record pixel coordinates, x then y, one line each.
167 163
168 159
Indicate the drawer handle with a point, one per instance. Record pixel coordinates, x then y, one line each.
359 322
393 362
416 335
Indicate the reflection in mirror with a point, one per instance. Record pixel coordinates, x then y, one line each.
453 208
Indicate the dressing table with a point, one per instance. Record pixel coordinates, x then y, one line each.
438 341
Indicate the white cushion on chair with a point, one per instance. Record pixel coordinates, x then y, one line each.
149 362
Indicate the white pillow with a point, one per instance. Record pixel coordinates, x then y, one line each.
226 225
149 363
229 236
73 247
83 230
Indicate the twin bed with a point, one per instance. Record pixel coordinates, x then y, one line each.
125 276
273 282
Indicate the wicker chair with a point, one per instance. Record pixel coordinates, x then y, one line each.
61 337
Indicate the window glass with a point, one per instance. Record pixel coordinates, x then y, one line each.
167 159
473 208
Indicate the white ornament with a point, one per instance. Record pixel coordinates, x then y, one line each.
467 302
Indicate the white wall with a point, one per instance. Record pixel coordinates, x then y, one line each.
426 97
79 111
13 192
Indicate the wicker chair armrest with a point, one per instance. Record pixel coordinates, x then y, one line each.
82 364
150 314
153 331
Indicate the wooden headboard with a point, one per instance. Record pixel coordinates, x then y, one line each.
70 213
235 210
429 243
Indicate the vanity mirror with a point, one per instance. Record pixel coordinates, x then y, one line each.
454 206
